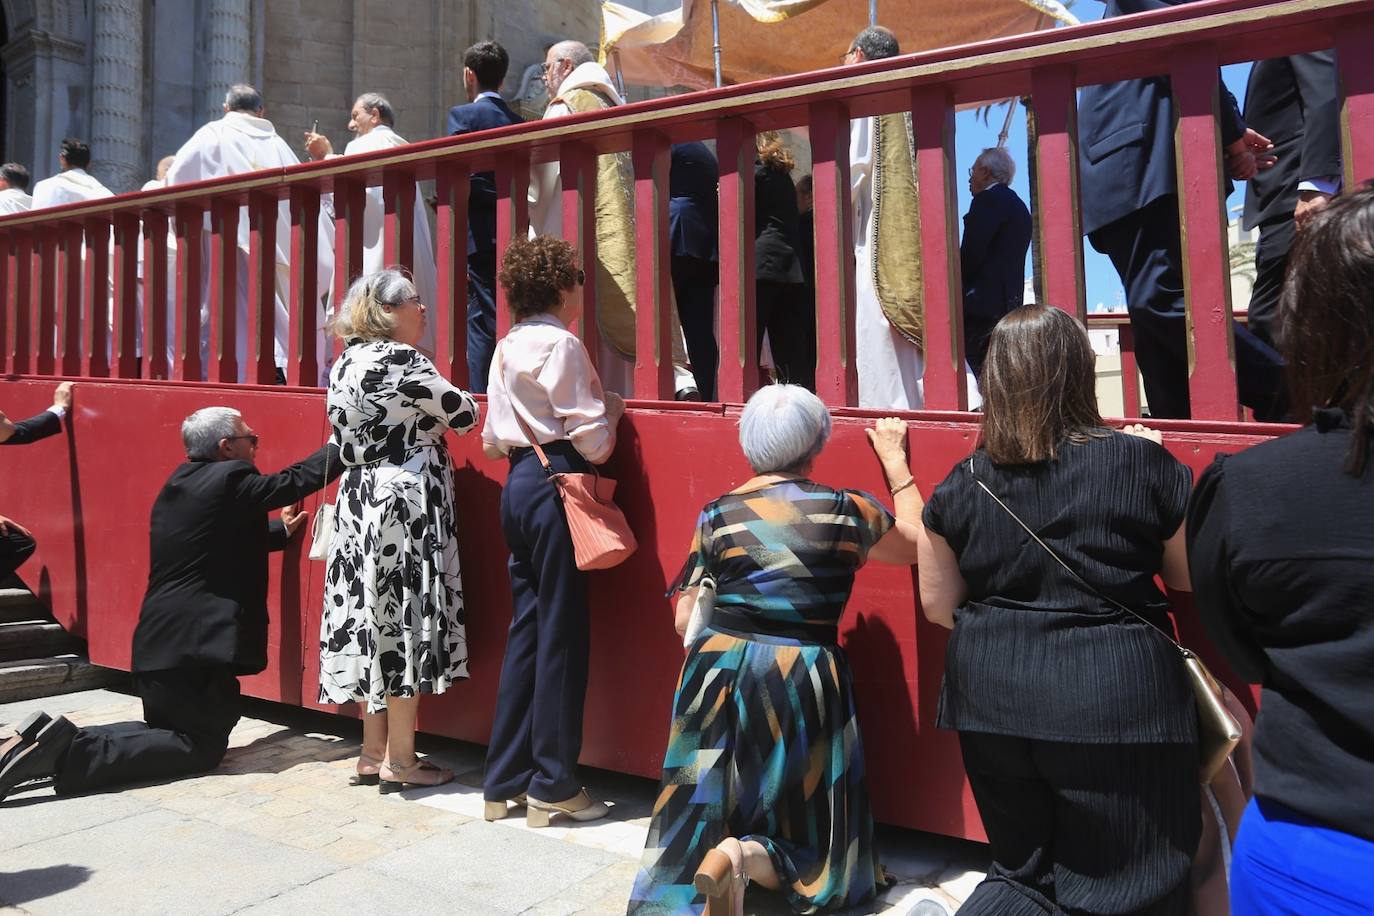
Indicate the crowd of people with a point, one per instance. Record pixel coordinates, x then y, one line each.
1042 552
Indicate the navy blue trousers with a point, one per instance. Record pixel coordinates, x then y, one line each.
537 733
694 287
481 318
1145 249
1285 864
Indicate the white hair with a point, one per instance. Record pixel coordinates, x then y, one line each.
202 431
783 427
998 162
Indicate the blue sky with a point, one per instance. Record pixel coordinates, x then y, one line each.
972 136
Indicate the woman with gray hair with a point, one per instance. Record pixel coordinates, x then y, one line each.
774 791
393 603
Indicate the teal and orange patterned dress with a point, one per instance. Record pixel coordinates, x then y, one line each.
765 744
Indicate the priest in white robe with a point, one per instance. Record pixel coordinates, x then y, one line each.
372 121
577 83
73 184
244 141
14 189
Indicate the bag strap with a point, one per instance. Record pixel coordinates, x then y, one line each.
515 409
1067 568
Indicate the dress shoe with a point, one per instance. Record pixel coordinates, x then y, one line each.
722 880
690 393
497 810
24 733
41 758
419 772
580 808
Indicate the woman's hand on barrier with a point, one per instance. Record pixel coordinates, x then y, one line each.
293 517
1144 432
615 407
888 438
9 525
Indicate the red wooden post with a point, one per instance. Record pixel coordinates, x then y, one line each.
1355 62
449 311
512 219
260 362
836 375
224 291
1206 277
99 317
398 221
18 299
190 225
6 304
45 300
739 354
1056 193
303 365
72 245
1130 372
123 308
155 286
932 119
653 276
577 171
350 201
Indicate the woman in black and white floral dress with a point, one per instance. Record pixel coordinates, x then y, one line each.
392 626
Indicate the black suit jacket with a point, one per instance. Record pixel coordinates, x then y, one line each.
693 201
206 603
1292 101
992 255
41 426
483 114
1126 137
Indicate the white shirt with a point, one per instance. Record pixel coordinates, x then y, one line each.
13 200
543 371
69 187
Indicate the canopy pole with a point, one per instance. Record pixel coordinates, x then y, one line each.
1006 125
715 37
872 12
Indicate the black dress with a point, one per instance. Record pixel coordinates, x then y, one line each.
1075 719
784 311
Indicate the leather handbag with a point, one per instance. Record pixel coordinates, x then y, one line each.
701 611
322 529
1218 732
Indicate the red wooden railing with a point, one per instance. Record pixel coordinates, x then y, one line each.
53 320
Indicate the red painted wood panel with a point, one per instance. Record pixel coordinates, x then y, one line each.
653 374
19 301
577 171
44 289
512 220
1355 60
1057 210
398 220
450 309
7 303
736 150
837 380
156 283
259 363
223 363
190 269
302 360
71 246
102 324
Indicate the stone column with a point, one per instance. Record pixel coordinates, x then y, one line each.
228 50
117 94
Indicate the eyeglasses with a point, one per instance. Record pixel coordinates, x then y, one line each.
252 439
545 67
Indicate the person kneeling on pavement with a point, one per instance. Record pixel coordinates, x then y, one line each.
203 621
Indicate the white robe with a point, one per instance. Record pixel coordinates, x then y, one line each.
13 200
235 144
890 367
70 187
546 218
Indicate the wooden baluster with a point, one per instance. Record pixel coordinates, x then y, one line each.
71 244
303 362
260 362
155 286
836 375
1130 372
449 311
99 318
1057 211
18 301
1354 53
224 291
739 330
6 304
398 220
512 219
577 170
1206 273
350 201
45 300
653 372
190 228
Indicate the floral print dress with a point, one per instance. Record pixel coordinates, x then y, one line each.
393 599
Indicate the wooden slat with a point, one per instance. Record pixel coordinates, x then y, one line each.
71 243
653 372
836 374
512 220
577 171
7 303
190 227
156 283
18 301
739 358
224 291
398 220
303 366
449 310
100 320
350 199
1057 212
259 362
44 290
1355 63
1130 371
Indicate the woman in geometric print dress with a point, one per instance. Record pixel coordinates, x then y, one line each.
763 777
392 626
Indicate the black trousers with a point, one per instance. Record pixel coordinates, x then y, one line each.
15 548
787 311
536 735
977 332
188 714
1271 266
1145 249
694 287
481 318
1083 828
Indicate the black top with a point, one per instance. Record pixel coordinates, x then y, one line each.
206 603
776 234
34 428
1034 653
1281 546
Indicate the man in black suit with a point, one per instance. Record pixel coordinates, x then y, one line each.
484 67
1130 213
693 214
204 616
992 255
16 541
1291 100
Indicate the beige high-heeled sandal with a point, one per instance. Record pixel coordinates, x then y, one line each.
722 884
419 772
367 772
498 810
580 808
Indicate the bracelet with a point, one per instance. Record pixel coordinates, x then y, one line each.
903 485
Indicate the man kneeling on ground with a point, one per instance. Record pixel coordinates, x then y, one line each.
203 621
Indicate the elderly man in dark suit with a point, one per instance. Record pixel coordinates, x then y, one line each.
1130 213
16 541
1291 100
204 616
693 213
992 255
484 68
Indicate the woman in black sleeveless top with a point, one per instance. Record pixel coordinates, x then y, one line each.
1076 722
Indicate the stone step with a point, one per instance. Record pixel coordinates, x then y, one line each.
34 639
20 604
27 679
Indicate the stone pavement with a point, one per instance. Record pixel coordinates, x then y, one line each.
276 829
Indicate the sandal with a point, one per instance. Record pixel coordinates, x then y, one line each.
721 881
418 772
26 732
580 808
368 771
497 810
